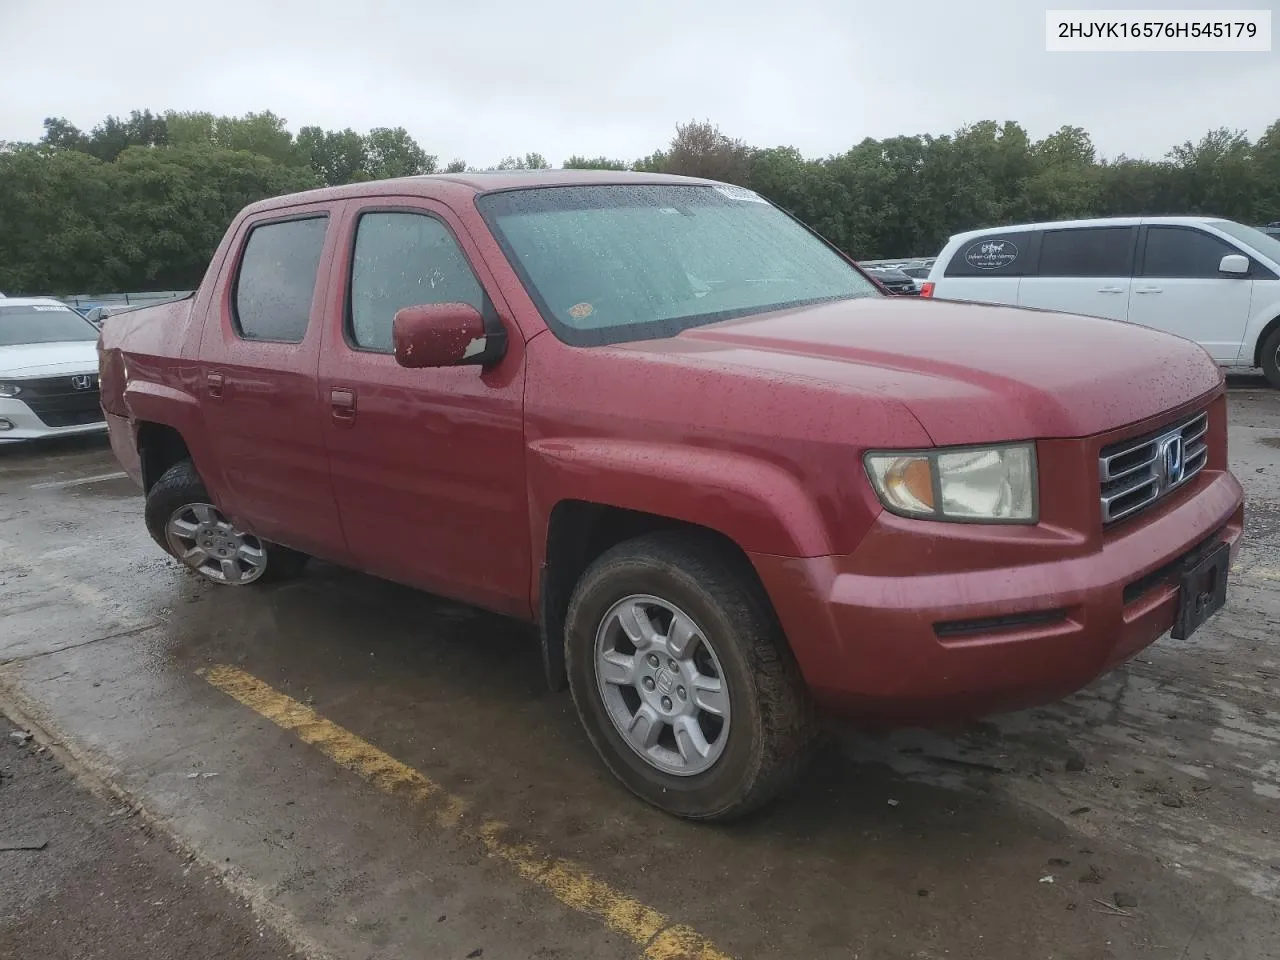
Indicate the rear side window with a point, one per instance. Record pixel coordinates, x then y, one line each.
1180 252
1088 252
996 255
404 260
277 279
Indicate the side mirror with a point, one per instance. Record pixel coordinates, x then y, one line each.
1234 263
444 335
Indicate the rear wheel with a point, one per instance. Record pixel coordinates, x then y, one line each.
1271 358
182 518
683 680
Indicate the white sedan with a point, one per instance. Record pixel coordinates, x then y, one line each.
48 371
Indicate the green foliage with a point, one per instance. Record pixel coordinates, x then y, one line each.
148 220
337 156
141 202
699 149
594 163
530 161
393 153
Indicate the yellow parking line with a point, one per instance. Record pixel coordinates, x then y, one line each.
570 883
1263 573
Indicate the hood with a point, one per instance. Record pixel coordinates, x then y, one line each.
971 373
49 359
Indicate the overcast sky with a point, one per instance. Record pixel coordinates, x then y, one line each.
482 79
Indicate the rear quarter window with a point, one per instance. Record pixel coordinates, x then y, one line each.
1011 254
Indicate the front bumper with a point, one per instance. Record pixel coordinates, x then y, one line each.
957 644
25 425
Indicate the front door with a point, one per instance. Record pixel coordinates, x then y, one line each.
259 353
428 464
1179 289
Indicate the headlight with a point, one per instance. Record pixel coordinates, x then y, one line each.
9 389
986 484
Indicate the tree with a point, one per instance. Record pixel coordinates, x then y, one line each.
1217 176
594 163
337 156
530 161
141 201
393 153
699 149
149 220
59 134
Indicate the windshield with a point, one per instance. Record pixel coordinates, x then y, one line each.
1265 245
608 264
44 323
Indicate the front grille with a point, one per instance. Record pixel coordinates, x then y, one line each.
1134 474
58 402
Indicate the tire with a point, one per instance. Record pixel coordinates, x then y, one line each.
1271 358
768 724
180 488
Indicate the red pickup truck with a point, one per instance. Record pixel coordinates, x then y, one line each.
734 484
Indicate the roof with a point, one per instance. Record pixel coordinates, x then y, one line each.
1095 222
445 185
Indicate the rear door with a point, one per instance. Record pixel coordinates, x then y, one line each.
257 382
428 464
1179 289
1085 270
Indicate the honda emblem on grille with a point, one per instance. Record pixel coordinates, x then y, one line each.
1171 461
83 381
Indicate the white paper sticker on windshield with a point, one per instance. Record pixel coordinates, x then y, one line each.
48 309
740 193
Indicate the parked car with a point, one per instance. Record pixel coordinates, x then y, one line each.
895 281
731 481
97 315
1209 280
48 371
1271 229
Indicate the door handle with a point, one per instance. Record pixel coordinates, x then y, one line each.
342 403
1111 289
1150 290
215 382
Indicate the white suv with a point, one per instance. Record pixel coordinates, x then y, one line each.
1210 280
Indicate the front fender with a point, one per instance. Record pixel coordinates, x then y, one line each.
761 506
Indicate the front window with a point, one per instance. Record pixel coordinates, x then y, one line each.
404 259
608 264
1267 246
43 323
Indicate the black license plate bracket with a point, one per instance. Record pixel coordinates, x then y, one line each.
1202 590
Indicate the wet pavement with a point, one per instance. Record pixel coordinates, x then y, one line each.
83 875
382 773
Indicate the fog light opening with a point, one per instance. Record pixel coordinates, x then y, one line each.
6 424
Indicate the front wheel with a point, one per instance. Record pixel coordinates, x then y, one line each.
182 518
683 680
1271 358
